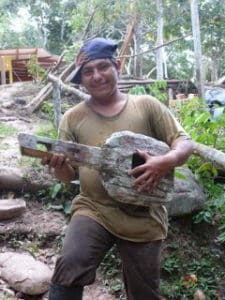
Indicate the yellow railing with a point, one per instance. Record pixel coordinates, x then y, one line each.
6 66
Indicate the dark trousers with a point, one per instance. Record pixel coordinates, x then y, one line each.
86 244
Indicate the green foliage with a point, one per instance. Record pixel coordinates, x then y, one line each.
196 119
137 90
66 23
29 161
212 19
100 18
188 267
35 70
158 90
48 109
203 128
172 264
6 130
47 130
61 195
205 216
214 210
111 268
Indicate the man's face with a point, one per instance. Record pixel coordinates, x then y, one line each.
99 77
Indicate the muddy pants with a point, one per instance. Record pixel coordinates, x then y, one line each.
85 246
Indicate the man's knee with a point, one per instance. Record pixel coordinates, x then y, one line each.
74 269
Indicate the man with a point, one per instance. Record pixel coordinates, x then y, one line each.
98 221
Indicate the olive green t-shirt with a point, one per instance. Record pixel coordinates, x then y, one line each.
141 114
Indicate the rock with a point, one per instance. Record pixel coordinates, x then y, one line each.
10 178
24 274
188 195
118 155
199 295
28 180
10 208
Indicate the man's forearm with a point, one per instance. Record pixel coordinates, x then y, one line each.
180 152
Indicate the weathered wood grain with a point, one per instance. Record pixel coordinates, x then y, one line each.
113 160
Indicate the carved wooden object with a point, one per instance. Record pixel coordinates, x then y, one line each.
113 160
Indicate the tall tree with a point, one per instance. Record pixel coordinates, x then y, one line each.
159 51
212 16
137 47
197 46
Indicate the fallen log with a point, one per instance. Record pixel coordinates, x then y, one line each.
220 81
46 91
207 153
41 96
11 119
67 88
15 179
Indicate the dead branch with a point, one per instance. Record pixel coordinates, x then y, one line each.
156 48
128 37
67 88
11 119
220 81
54 67
210 154
89 22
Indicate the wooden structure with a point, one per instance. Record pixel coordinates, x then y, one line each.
13 64
174 86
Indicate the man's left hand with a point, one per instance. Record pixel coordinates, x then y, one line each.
150 173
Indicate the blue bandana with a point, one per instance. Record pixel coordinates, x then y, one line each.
93 49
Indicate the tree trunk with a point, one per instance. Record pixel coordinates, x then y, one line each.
56 104
15 179
214 74
197 46
137 49
159 51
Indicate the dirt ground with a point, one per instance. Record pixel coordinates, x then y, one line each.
20 234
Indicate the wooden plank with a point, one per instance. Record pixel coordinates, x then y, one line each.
112 160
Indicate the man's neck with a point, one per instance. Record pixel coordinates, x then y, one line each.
110 106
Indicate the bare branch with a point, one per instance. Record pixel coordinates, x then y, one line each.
155 48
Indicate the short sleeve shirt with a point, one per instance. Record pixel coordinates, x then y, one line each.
141 114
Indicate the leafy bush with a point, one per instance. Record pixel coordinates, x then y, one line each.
188 271
157 89
58 197
35 70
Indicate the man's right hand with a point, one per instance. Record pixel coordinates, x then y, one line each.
62 167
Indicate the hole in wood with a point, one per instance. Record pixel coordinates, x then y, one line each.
137 160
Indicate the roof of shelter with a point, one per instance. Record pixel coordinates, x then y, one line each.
25 53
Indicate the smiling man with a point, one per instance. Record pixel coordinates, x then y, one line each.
98 221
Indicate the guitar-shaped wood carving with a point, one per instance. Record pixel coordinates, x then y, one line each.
113 161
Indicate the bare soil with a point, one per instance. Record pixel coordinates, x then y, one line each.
39 230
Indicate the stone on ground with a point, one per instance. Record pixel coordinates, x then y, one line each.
10 208
24 273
